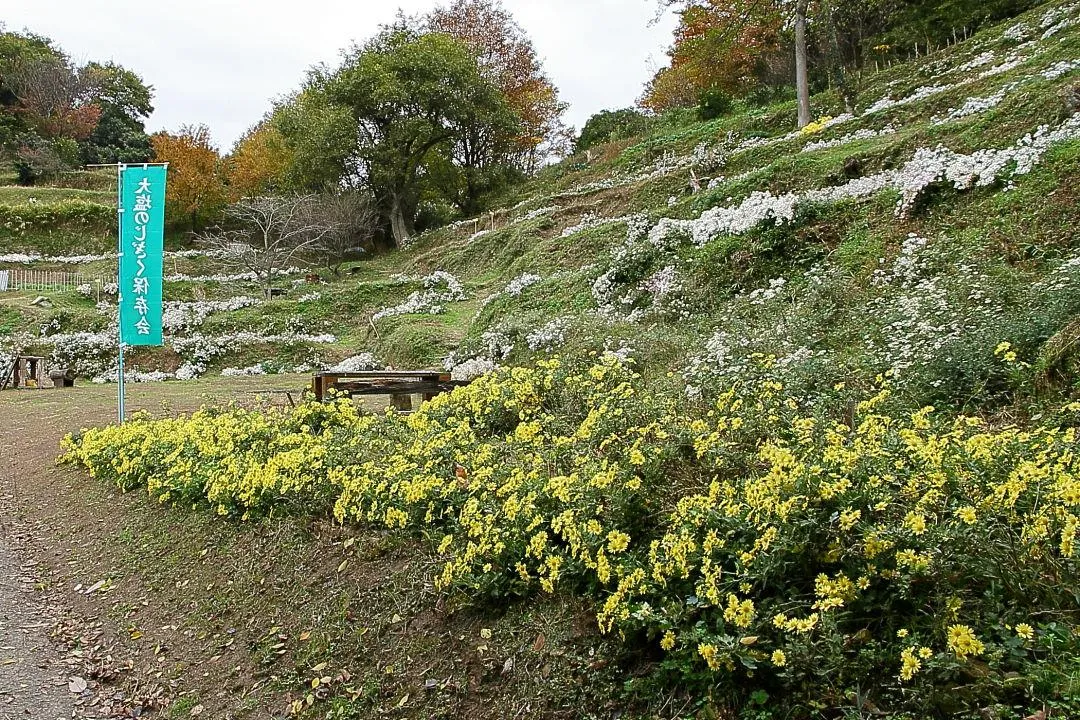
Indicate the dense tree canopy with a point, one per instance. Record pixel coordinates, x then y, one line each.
196 187
415 96
436 113
609 125
508 59
258 163
742 46
56 115
320 136
125 102
728 46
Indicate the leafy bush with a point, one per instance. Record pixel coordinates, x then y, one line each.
714 103
19 220
836 554
609 126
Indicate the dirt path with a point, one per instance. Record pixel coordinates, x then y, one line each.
57 659
32 682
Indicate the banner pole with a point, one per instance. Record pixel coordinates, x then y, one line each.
120 290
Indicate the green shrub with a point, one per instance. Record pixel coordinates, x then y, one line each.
17 221
713 104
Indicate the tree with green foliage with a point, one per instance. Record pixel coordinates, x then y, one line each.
125 102
320 137
610 125
416 98
55 115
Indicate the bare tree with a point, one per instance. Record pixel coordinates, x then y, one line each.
353 222
267 234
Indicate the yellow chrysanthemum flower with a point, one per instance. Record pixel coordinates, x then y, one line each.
963 642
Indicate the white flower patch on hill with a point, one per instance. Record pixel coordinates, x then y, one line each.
88 353
1017 33
439 288
984 58
29 259
663 282
198 350
764 295
593 221
470 369
358 363
515 287
924 312
1064 67
133 376
922 93
537 213
975 105
1055 20
192 254
179 317
250 371
929 166
865 134
549 336
235 277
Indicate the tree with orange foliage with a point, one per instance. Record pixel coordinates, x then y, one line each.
258 163
720 45
196 187
507 59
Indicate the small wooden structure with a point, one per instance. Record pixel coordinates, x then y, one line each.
400 385
26 371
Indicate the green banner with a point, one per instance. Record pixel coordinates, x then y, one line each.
142 229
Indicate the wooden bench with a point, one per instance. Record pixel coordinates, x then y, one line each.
400 385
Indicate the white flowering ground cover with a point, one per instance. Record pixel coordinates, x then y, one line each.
358 363
35 258
439 288
550 336
31 259
864 134
178 317
231 277
929 166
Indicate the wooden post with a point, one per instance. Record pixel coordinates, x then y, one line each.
401 402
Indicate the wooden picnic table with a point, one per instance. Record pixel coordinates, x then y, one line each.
400 385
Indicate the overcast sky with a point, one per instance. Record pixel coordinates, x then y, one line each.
220 62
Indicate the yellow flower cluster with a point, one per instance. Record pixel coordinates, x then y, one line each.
962 641
750 533
817 126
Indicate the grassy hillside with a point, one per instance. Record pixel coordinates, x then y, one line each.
783 298
570 227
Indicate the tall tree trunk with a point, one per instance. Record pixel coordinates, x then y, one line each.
398 226
839 72
802 81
